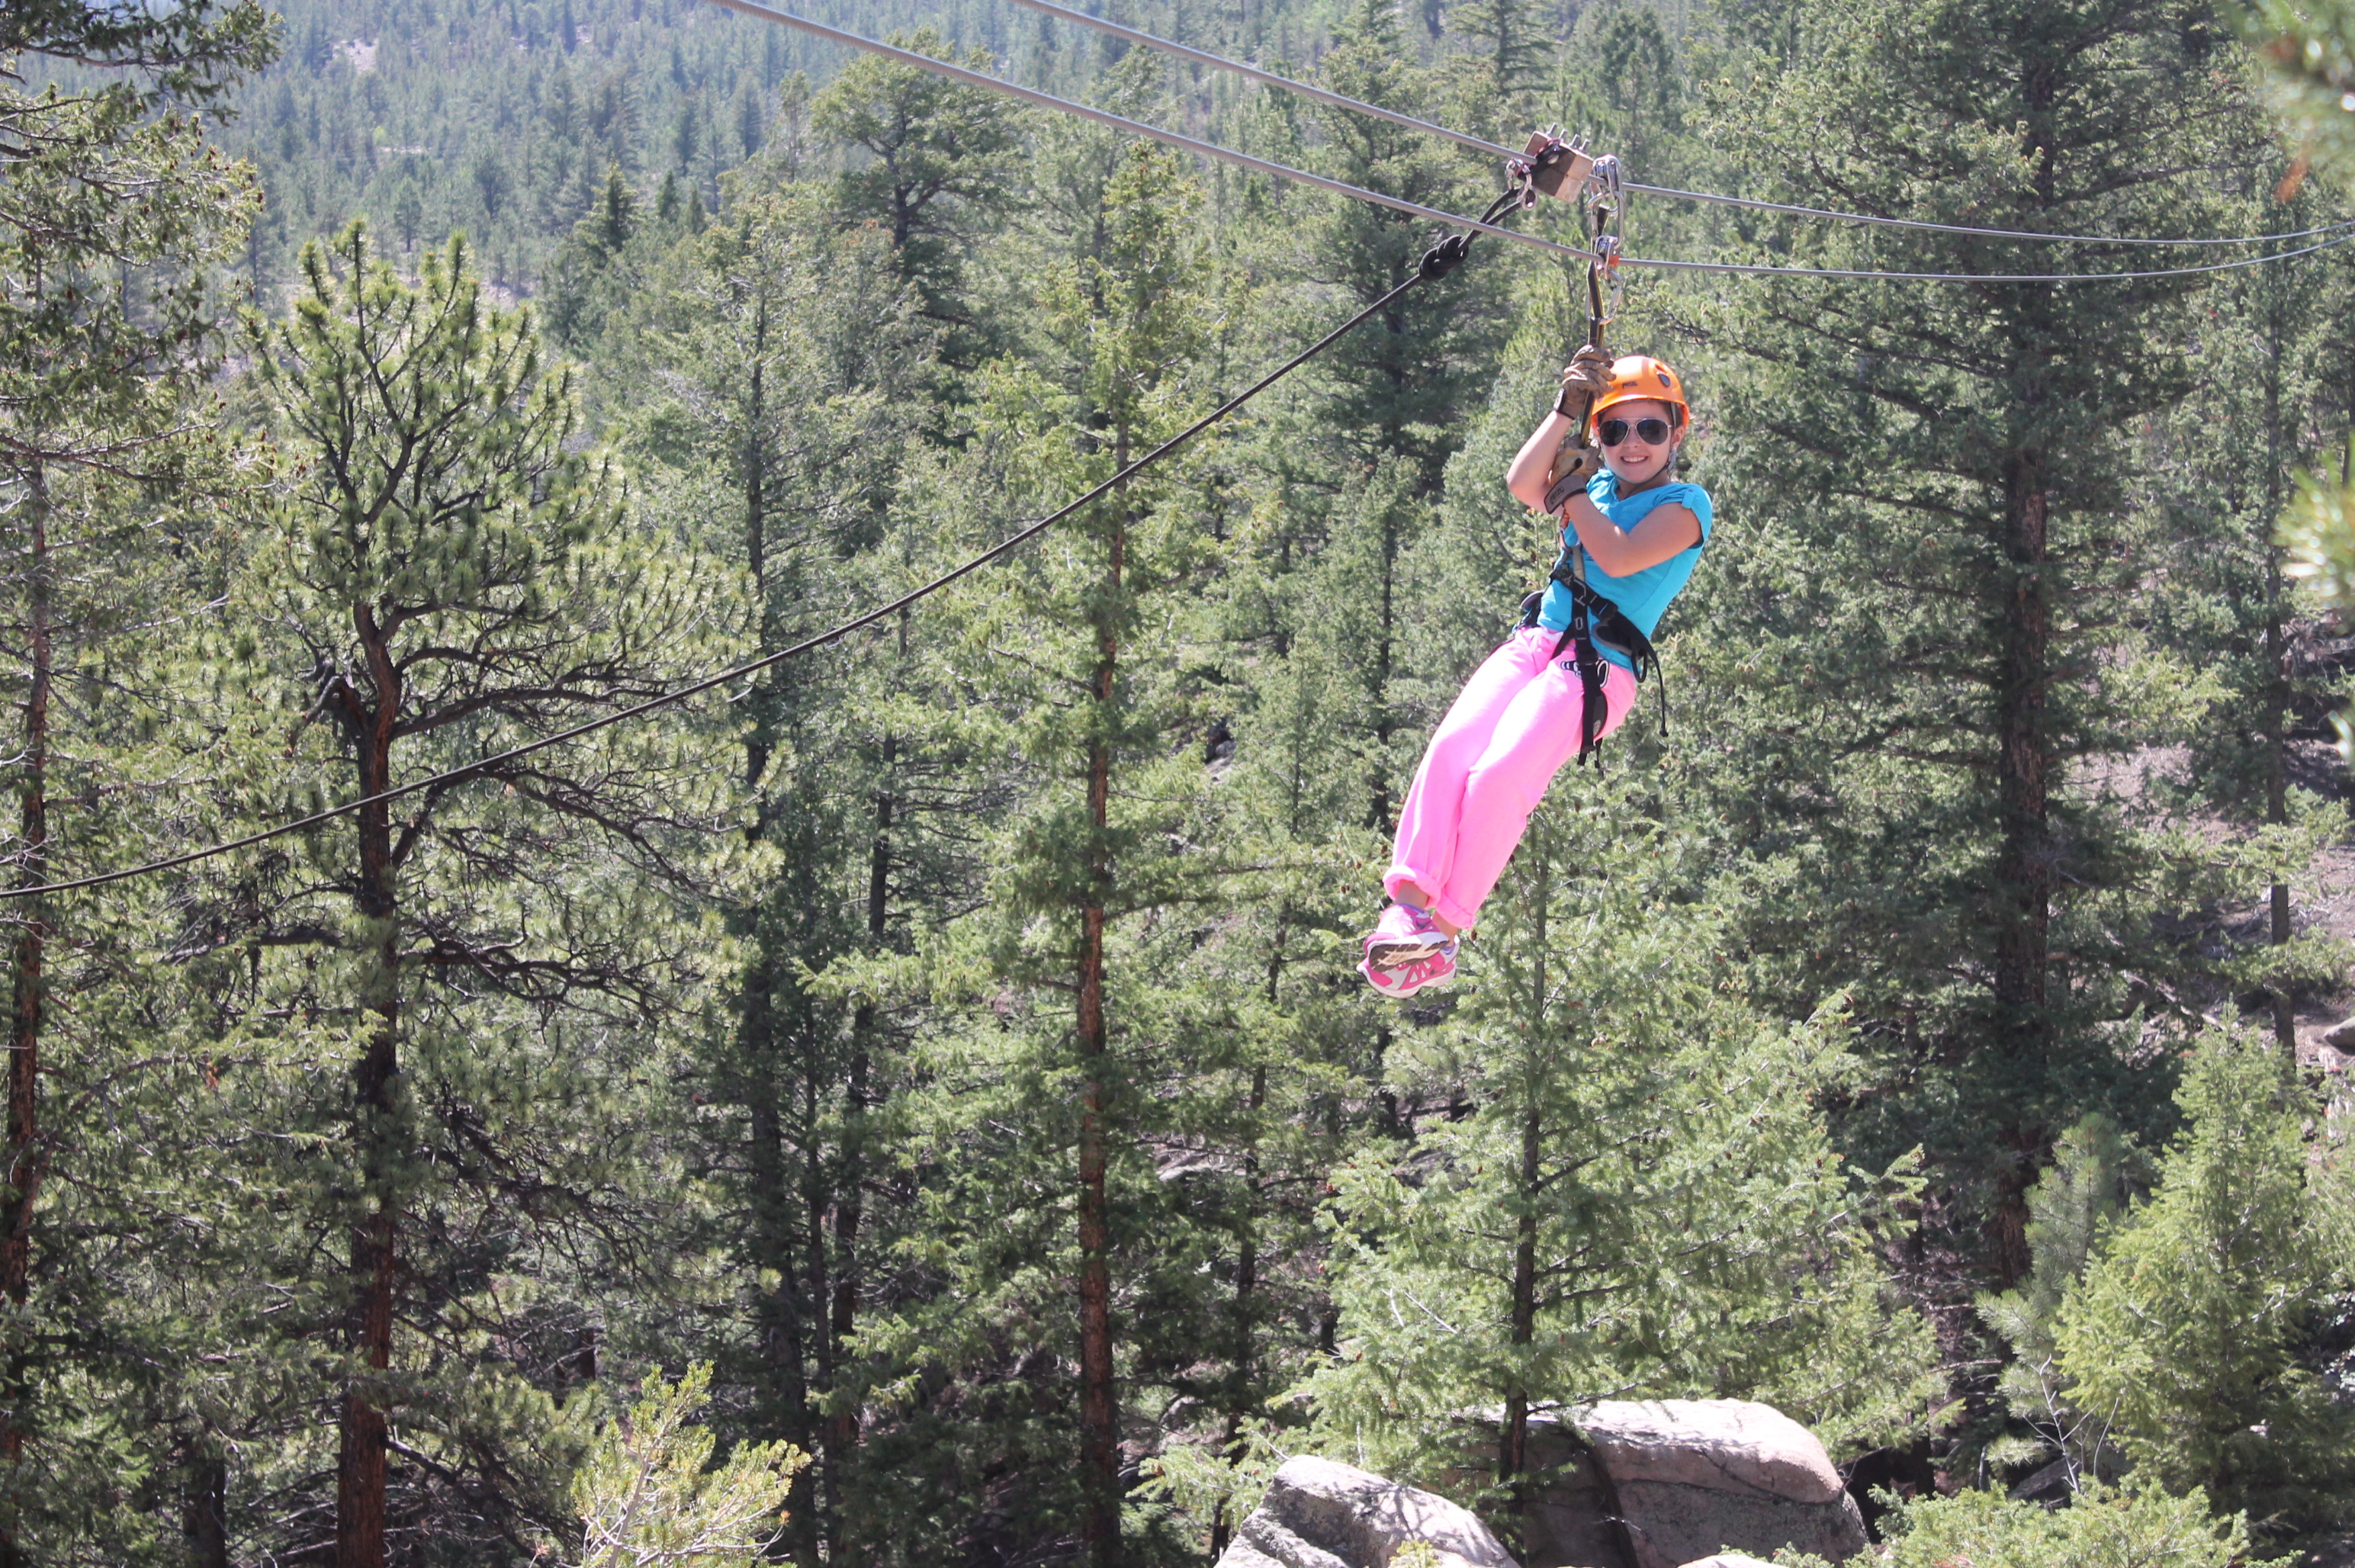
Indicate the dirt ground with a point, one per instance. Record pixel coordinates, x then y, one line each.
2328 902
2324 900
2338 1554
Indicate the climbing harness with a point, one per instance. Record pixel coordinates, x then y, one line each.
1595 623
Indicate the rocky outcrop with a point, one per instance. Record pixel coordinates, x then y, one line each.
1320 1514
1656 1484
1663 1483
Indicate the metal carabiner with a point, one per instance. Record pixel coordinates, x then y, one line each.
1606 247
1605 200
1604 179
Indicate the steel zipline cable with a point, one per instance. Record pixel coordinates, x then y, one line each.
1220 62
1767 270
808 645
1481 144
1445 257
1757 206
955 72
1483 225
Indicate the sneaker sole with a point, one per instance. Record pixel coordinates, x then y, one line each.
1400 994
1396 951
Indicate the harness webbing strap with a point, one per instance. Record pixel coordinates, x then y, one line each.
1595 623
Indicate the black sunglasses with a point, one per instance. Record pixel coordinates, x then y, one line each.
1655 431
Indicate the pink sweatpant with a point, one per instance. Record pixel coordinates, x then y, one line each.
1514 726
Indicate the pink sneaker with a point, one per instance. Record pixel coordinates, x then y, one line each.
1403 935
1430 972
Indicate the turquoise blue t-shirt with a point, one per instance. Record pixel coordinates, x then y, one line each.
1642 596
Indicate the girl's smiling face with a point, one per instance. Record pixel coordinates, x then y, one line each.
1636 460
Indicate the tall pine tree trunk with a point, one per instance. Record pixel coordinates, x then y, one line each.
781 1310
2025 773
204 1514
1513 1446
2277 693
783 1314
360 1468
2024 866
817 1202
2024 763
27 997
841 1436
1513 1440
2277 795
1245 1353
1099 1408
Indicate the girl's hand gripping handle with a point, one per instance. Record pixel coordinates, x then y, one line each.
1584 379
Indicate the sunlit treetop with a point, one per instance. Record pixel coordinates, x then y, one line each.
195 50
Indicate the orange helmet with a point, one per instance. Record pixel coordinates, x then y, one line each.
1640 376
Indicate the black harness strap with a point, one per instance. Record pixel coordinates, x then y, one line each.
1595 623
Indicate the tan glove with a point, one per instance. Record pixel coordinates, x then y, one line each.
1586 378
1573 466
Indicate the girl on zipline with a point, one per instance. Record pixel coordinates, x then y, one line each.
1523 713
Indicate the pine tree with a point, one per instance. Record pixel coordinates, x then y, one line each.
2093 1171
2098 1530
109 328
1939 632
1086 1059
1128 324
452 576
1511 39
1399 387
941 164
781 362
2184 1338
408 215
1623 84
646 1498
2222 465
596 271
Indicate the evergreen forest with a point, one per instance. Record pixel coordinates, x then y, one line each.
912 1102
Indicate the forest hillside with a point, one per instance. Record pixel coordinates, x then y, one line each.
914 1100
